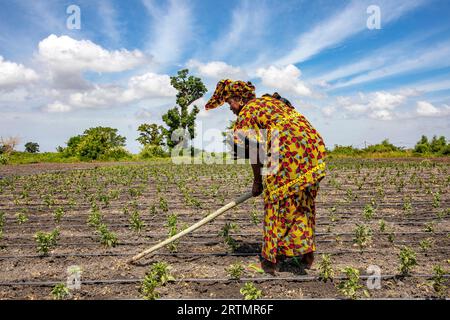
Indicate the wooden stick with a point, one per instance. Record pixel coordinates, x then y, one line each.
193 227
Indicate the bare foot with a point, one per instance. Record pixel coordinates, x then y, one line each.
308 260
268 267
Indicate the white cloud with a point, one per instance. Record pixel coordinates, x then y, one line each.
57 107
139 88
65 54
379 105
142 114
286 79
426 109
328 111
13 75
217 70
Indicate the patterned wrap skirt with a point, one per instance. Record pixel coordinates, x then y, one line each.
289 224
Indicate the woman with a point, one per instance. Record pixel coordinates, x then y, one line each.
294 153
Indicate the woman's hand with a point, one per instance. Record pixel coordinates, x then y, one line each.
257 188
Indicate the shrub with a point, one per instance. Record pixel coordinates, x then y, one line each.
158 275
152 151
46 240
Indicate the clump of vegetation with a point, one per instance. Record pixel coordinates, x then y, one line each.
21 217
136 222
235 271
363 236
439 282
250 291
225 233
351 287
172 221
58 214
46 240
158 275
382 225
163 204
326 271
368 212
60 292
107 237
425 244
99 143
429 227
255 217
408 260
94 218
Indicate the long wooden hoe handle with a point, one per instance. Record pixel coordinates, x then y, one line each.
195 226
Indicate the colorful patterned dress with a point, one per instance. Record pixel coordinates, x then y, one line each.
291 186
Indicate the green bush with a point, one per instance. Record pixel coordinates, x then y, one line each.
3 159
99 143
152 151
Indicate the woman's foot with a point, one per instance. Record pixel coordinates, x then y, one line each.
308 260
268 267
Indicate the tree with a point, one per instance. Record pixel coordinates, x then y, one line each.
31 147
95 143
422 146
150 134
180 118
438 144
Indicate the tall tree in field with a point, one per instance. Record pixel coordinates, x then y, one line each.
150 134
189 89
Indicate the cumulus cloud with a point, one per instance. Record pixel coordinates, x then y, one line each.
13 75
378 105
142 87
426 109
217 70
284 79
65 54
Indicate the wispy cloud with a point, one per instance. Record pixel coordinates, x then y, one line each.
344 24
422 60
111 25
171 30
244 31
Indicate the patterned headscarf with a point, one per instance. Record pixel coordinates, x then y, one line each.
227 88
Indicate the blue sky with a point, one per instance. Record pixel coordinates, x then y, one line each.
355 84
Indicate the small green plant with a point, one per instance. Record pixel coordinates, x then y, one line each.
382 225
94 218
250 292
436 200
368 212
425 244
235 271
351 287
363 236
152 210
46 240
158 275
407 206
172 221
326 271
429 227
391 237
21 217
408 260
107 237
438 281
60 292
136 222
163 204
255 217
225 233
58 214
